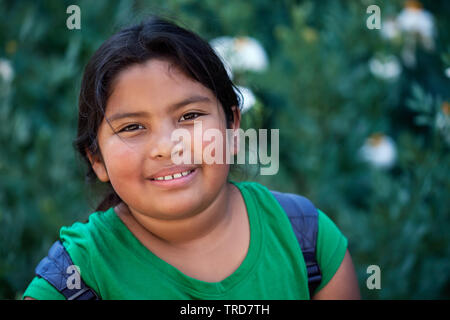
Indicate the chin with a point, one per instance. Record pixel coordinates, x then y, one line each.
176 212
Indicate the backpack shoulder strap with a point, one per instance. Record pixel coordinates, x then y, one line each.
303 216
55 269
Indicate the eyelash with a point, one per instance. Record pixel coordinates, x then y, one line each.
131 125
197 113
135 124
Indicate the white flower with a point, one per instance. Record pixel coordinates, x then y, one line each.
249 98
389 29
379 150
387 68
412 19
447 72
415 20
241 53
6 70
223 46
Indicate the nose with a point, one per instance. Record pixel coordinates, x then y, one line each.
161 144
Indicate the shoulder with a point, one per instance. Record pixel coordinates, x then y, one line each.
81 242
339 280
255 191
331 247
81 234
261 201
331 244
84 240
329 237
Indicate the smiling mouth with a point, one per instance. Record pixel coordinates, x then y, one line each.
174 176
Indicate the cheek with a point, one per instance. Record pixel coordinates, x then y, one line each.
213 153
210 141
215 149
122 162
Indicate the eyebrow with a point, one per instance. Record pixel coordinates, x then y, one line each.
173 107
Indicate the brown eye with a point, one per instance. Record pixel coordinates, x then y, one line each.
190 116
131 127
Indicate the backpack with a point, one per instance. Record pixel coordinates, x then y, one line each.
302 215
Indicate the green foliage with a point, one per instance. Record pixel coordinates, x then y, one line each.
319 90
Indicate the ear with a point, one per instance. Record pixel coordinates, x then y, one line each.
98 166
236 118
235 126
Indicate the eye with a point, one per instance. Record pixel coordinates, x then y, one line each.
130 127
190 116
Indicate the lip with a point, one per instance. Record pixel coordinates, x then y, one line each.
177 182
171 170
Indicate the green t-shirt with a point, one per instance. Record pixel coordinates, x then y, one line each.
114 263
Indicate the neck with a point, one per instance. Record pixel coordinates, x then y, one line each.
207 227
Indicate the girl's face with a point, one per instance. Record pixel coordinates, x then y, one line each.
142 146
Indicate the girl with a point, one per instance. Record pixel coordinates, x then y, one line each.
179 231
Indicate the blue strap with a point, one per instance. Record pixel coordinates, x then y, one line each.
54 269
304 220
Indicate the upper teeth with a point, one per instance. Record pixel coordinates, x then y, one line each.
174 176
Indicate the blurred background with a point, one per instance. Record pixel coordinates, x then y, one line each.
363 115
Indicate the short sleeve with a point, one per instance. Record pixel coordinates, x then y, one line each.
75 239
331 248
42 290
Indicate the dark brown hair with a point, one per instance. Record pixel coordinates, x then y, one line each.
153 38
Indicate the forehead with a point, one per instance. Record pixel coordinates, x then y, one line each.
154 84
